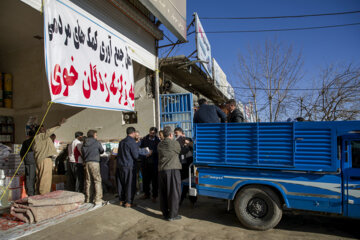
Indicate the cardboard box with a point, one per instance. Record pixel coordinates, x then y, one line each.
57 186
17 182
58 179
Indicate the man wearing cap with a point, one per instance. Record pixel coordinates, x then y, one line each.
169 175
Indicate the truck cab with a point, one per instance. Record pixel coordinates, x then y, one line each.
350 158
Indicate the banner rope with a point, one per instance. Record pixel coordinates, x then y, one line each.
42 121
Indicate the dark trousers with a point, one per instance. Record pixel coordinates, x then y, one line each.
126 183
76 177
30 177
150 176
170 191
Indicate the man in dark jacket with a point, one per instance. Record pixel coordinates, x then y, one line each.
128 153
169 176
208 113
234 115
91 151
149 165
30 164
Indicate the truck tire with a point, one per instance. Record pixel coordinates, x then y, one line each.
258 208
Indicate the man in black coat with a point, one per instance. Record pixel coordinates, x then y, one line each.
149 164
30 165
186 158
234 115
208 113
128 153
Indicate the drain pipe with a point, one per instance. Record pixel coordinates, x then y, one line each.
157 88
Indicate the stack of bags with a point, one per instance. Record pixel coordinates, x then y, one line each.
14 162
9 162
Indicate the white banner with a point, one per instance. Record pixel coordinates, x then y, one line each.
203 46
219 75
87 63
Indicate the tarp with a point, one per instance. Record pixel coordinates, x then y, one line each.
88 64
41 207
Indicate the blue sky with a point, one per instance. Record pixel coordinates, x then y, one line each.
319 47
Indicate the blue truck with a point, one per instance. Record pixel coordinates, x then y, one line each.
265 168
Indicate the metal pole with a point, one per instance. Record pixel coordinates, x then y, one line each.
157 86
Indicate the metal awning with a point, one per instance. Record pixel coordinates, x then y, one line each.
190 76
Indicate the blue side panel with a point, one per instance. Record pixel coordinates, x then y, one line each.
314 192
241 145
210 143
314 146
275 142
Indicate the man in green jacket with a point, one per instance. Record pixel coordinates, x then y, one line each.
169 175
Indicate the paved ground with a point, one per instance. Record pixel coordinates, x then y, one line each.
209 220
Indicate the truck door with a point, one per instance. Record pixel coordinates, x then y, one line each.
351 164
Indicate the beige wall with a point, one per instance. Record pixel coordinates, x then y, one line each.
31 94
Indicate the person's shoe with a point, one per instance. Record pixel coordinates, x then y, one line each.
178 217
153 200
143 197
127 205
121 203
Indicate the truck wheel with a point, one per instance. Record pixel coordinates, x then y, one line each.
258 208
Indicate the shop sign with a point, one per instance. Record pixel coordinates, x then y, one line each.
88 64
219 75
203 47
220 81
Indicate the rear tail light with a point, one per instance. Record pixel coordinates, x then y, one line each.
196 177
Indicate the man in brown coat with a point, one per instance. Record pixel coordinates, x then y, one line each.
44 149
169 176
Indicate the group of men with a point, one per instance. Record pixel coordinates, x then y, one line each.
163 161
161 167
213 114
82 152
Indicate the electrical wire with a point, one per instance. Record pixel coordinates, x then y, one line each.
284 29
290 89
277 17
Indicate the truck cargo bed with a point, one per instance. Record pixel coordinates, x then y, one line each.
300 146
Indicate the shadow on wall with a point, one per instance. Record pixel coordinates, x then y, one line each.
56 113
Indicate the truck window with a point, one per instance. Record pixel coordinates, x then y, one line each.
355 154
